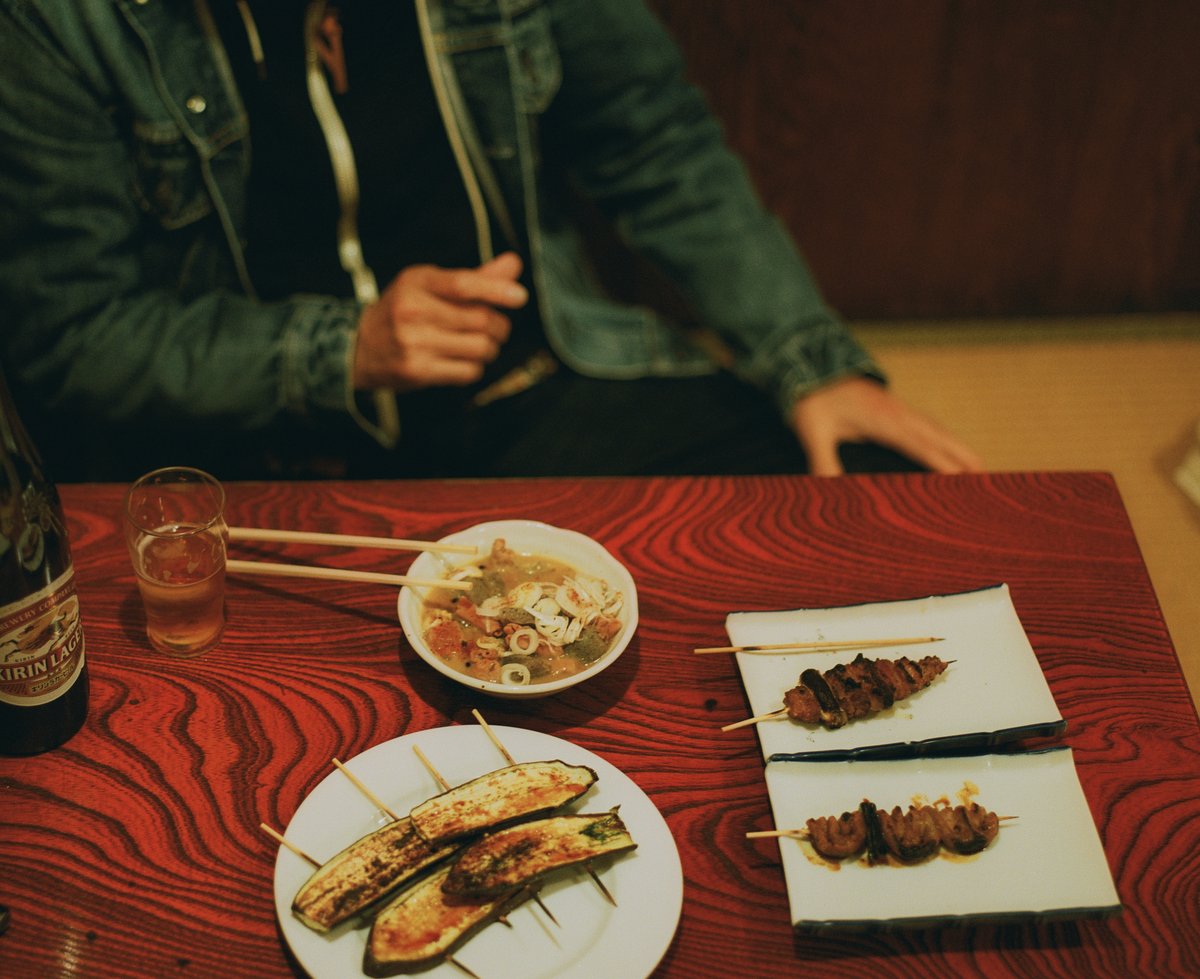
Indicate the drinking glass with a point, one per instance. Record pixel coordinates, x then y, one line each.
176 533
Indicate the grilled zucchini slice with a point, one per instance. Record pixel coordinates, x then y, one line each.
517 792
423 924
521 854
364 873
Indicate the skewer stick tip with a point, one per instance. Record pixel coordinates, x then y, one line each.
487 729
365 791
542 904
600 884
432 771
461 968
772 716
282 841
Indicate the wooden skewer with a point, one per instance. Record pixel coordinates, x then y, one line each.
432 771
795 834
364 790
542 904
461 968
772 716
346 540
338 574
278 838
818 646
504 751
600 884
487 729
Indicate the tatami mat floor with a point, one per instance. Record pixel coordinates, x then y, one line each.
1120 395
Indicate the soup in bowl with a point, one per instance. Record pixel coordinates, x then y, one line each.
539 609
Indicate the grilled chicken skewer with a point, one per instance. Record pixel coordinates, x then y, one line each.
911 835
853 690
859 688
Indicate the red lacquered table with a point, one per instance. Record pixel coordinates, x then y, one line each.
135 850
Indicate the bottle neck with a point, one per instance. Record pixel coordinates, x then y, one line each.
34 550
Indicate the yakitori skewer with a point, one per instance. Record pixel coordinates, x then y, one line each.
853 691
910 836
509 758
802 834
818 646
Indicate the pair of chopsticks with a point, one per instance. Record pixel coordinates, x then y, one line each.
340 574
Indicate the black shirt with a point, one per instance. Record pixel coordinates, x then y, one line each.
413 205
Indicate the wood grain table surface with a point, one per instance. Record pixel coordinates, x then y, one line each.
136 850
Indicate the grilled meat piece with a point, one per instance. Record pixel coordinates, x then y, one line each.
910 836
966 829
859 688
838 837
877 848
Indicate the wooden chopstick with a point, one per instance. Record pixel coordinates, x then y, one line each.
817 647
345 540
338 574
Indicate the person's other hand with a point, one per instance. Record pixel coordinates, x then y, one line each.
437 326
858 409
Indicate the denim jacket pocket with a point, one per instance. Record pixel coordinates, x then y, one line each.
537 65
168 181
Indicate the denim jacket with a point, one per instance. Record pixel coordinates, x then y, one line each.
124 153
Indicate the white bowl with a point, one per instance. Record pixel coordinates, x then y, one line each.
525 537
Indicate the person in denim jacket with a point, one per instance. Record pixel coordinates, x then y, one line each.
232 227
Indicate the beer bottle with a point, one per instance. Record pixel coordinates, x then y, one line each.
43 675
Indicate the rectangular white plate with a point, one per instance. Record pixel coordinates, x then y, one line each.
994 691
1047 862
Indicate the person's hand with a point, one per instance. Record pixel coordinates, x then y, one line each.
437 326
858 409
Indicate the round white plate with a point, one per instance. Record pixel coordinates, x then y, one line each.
592 937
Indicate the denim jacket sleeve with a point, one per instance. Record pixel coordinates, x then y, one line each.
651 154
121 292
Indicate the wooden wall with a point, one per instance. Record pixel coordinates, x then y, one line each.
956 158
